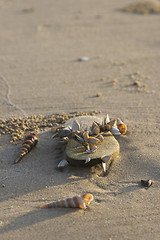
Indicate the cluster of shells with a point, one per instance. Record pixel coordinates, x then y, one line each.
89 139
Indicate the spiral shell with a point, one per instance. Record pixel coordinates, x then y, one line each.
121 126
30 140
75 202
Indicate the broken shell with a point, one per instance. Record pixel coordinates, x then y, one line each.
121 126
75 202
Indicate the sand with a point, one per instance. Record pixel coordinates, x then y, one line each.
41 43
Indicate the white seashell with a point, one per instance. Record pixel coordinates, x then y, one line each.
106 158
104 165
115 131
88 159
107 120
75 202
62 164
83 59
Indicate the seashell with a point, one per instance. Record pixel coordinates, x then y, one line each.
88 159
104 165
92 150
75 126
106 120
93 140
121 126
75 202
79 139
85 135
147 183
115 131
83 59
100 137
110 124
106 158
95 128
30 140
62 163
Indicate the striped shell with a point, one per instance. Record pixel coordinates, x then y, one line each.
75 202
30 140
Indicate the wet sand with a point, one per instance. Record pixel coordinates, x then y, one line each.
41 78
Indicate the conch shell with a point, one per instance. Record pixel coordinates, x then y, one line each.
75 202
30 140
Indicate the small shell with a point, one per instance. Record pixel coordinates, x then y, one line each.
92 150
106 158
106 120
83 59
146 183
115 131
30 140
88 159
121 126
100 137
75 202
79 139
95 128
85 135
93 140
75 126
104 165
62 163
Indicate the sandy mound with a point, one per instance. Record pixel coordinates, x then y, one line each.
146 7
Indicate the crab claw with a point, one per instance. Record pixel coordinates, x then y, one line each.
62 163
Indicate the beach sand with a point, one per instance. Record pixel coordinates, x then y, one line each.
41 43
